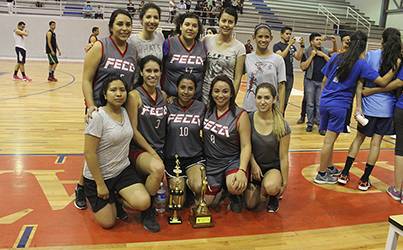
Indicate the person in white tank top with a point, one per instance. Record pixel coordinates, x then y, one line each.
20 33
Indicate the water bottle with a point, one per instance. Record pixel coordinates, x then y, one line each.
160 199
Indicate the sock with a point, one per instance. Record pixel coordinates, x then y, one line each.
367 172
23 74
322 173
50 73
347 165
15 72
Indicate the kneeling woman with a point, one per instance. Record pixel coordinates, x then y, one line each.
107 168
270 144
185 121
227 147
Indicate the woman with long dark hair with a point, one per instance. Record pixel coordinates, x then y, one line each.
270 144
184 53
378 108
108 55
146 106
341 75
227 148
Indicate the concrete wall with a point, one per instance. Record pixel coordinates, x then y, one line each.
371 8
395 19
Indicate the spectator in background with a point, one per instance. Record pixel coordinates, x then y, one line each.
141 4
99 14
10 6
181 7
130 8
88 11
172 11
188 4
313 60
248 47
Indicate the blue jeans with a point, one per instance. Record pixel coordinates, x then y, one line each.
288 88
312 92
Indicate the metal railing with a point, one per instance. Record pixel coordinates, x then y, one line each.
359 19
329 17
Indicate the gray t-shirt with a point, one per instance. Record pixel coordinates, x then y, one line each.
270 69
113 148
220 61
148 47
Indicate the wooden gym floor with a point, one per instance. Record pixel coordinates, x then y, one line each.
41 146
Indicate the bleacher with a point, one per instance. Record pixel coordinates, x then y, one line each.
303 16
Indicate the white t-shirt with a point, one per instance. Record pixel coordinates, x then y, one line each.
270 69
220 61
113 148
19 41
148 47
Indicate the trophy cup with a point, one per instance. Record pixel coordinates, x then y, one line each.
176 194
201 216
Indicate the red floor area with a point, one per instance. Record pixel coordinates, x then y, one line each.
37 182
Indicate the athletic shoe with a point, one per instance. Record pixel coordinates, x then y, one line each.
333 171
149 220
325 179
364 185
343 179
27 79
396 195
236 203
309 128
393 137
273 204
120 212
301 120
52 79
348 129
322 132
80 201
16 78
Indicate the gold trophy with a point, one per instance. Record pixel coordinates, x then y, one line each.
201 216
176 194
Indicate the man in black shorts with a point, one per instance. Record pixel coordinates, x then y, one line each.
20 34
51 50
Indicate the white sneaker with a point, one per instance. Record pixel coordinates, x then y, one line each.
393 137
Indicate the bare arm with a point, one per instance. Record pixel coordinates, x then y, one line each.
21 32
132 106
358 97
305 65
284 162
91 144
324 81
91 62
397 83
285 52
240 61
300 51
384 80
93 39
281 94
256 171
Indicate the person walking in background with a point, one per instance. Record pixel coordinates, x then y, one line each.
20 33
51 50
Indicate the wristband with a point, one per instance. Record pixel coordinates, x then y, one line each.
243 170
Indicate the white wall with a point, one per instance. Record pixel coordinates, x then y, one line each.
371 8
72 35
395 19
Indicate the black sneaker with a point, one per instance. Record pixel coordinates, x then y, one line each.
309 128
273 204
322 132
149 220
120 212
301 120
236 203
80 202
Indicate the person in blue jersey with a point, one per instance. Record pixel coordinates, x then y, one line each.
395 191
227 147
341 74
184 124
184 53
146 106
108 55
107 171
378 108
270 143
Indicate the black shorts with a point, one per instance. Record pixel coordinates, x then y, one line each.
185 163
377 125
125 179
398 120
267 169
21 55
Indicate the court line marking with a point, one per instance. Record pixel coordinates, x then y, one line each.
45 91
25 236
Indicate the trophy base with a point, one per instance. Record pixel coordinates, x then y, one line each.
201 221
174 220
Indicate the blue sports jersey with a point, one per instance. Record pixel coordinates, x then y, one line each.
340 94
399 103
381 104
